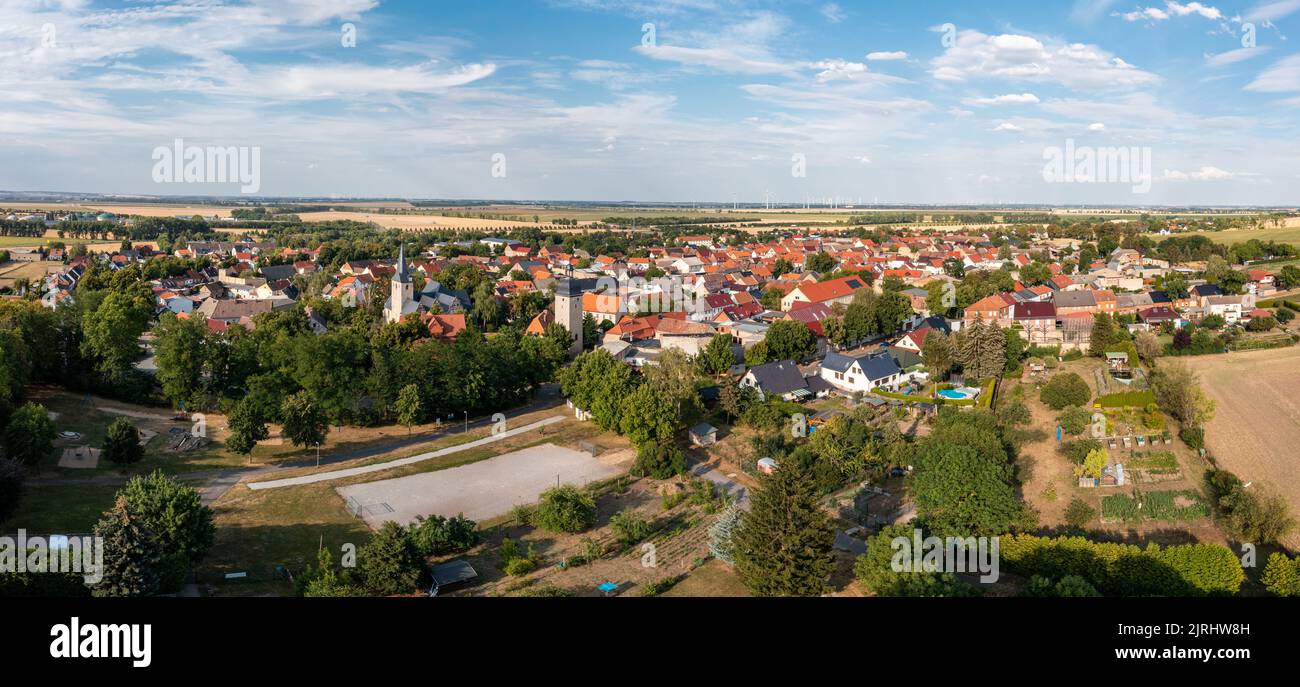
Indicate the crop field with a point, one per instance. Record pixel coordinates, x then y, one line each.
1169 506
1255 429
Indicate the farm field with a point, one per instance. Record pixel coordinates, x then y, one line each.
32 271
1288 233
1255 429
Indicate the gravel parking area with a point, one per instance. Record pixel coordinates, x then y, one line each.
481 490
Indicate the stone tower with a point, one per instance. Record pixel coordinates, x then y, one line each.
568 311
401 291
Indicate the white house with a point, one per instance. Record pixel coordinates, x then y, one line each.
862 373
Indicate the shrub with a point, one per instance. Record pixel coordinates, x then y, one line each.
437 535
1066 389
1126 569
660 586
1079 449
1282 575
122 445
1193 437
1074 420
565 508
523 514
1079 514
659 460
630 526
520 566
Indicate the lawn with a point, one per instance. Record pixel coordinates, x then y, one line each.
259 530
61 508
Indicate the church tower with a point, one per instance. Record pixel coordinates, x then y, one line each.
568 311
401 291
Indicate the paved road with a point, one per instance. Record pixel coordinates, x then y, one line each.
726 484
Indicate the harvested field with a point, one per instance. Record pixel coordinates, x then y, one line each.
1257 425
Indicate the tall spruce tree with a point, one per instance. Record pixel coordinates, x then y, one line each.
131 554
783 545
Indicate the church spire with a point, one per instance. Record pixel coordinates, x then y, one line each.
402 276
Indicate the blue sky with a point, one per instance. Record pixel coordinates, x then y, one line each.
907 102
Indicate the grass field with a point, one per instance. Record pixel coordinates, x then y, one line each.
61 508
1288 233
32 271
1254 431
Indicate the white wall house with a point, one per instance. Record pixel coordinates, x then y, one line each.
862 373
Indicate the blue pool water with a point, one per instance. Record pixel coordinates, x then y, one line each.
952 394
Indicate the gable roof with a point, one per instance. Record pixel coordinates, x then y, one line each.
781 377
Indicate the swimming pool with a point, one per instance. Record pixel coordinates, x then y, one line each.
952 394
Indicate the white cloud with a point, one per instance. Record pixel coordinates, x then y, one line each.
1234 56
1014 57
1282 76
1270 10
1206 173
1096 126
740 48
833 13
1008 99
1172 9
1009 127
886 55
835 70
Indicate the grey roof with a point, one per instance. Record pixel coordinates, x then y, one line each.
874 365
574 287
453 571
277 272
702 429
1074 299
781 377
878 366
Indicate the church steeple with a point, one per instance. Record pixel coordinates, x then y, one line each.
402 276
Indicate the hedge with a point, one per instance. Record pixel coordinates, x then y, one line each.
1126 569
935 400
1127 399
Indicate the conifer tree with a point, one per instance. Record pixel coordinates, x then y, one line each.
783 545
131 554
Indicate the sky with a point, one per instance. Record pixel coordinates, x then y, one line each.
661 100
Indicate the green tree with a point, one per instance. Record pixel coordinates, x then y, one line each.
173 512
122 444
1282 575
1065 389
323 581
790 339
648 416
782 546
29 436
247 427
659 460
937 353
410 407
131 554
112 330
1104 334
565 508
302 421
388 564
717 358
181 355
